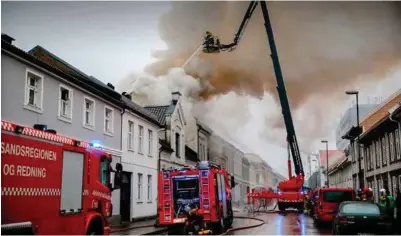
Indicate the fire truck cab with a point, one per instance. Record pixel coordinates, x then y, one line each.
52 184
206 186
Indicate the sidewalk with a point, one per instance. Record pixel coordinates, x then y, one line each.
137 228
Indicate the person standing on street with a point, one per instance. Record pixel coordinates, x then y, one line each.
398 210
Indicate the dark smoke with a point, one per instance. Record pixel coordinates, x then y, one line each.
323 46
324 49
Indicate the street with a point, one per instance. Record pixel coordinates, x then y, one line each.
276 223
288 223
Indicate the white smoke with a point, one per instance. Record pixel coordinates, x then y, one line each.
156 90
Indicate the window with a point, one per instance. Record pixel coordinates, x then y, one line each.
384 146
392 146
377 154
104 171
139 186
130 135
89 112
150 142
373 154
34 91
177 145
361 208
397 144
140 147
337 196
108 120
149 188
65 103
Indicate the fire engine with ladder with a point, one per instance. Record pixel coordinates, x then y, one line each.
52 184
289 194
206 186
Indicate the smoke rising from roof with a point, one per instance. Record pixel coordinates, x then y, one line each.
324 48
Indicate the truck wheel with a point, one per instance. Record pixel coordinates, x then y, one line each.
95 227
281 206
219 227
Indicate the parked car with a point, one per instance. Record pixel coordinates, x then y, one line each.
360 217
326 203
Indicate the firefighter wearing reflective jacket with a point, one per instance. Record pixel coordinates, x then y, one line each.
194 223
306 205
359 195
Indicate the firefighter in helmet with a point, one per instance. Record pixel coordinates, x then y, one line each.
368 194
382 198
211 43
359 195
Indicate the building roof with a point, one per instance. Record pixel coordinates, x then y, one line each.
380 112
53 60
86 84
137 109
190 154
48 61
160 112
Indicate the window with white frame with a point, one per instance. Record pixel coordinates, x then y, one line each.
140 139
65 102
397 144
89 112
150 141
34 91
139 190
108 119
130 135
392 146
149 187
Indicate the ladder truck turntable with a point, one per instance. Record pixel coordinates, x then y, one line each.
289 194
53 184
206 186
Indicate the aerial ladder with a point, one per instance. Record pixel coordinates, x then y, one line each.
289 194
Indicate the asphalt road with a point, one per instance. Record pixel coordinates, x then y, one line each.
288 223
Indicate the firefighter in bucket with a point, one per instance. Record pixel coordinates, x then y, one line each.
194 223
211 43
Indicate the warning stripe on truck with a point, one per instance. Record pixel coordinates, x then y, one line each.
16 191
13 191
8 126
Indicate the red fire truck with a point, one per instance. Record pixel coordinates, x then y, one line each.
52 184
206 186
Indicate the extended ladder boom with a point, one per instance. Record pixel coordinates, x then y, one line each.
291 137
285 106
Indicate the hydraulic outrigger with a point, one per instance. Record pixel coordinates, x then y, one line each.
290 191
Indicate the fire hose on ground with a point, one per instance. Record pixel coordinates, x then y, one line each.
226 232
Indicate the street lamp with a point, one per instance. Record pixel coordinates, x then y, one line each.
360 178
327 160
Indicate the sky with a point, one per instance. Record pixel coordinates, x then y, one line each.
111 41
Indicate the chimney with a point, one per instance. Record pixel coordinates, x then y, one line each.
175 97
110 86
127 95
7 38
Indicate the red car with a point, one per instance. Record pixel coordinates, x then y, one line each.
326 202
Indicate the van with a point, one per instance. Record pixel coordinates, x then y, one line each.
326 202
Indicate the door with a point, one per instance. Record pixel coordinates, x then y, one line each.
125 201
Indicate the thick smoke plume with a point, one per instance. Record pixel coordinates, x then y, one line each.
324 48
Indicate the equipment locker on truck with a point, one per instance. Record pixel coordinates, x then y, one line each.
52 184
